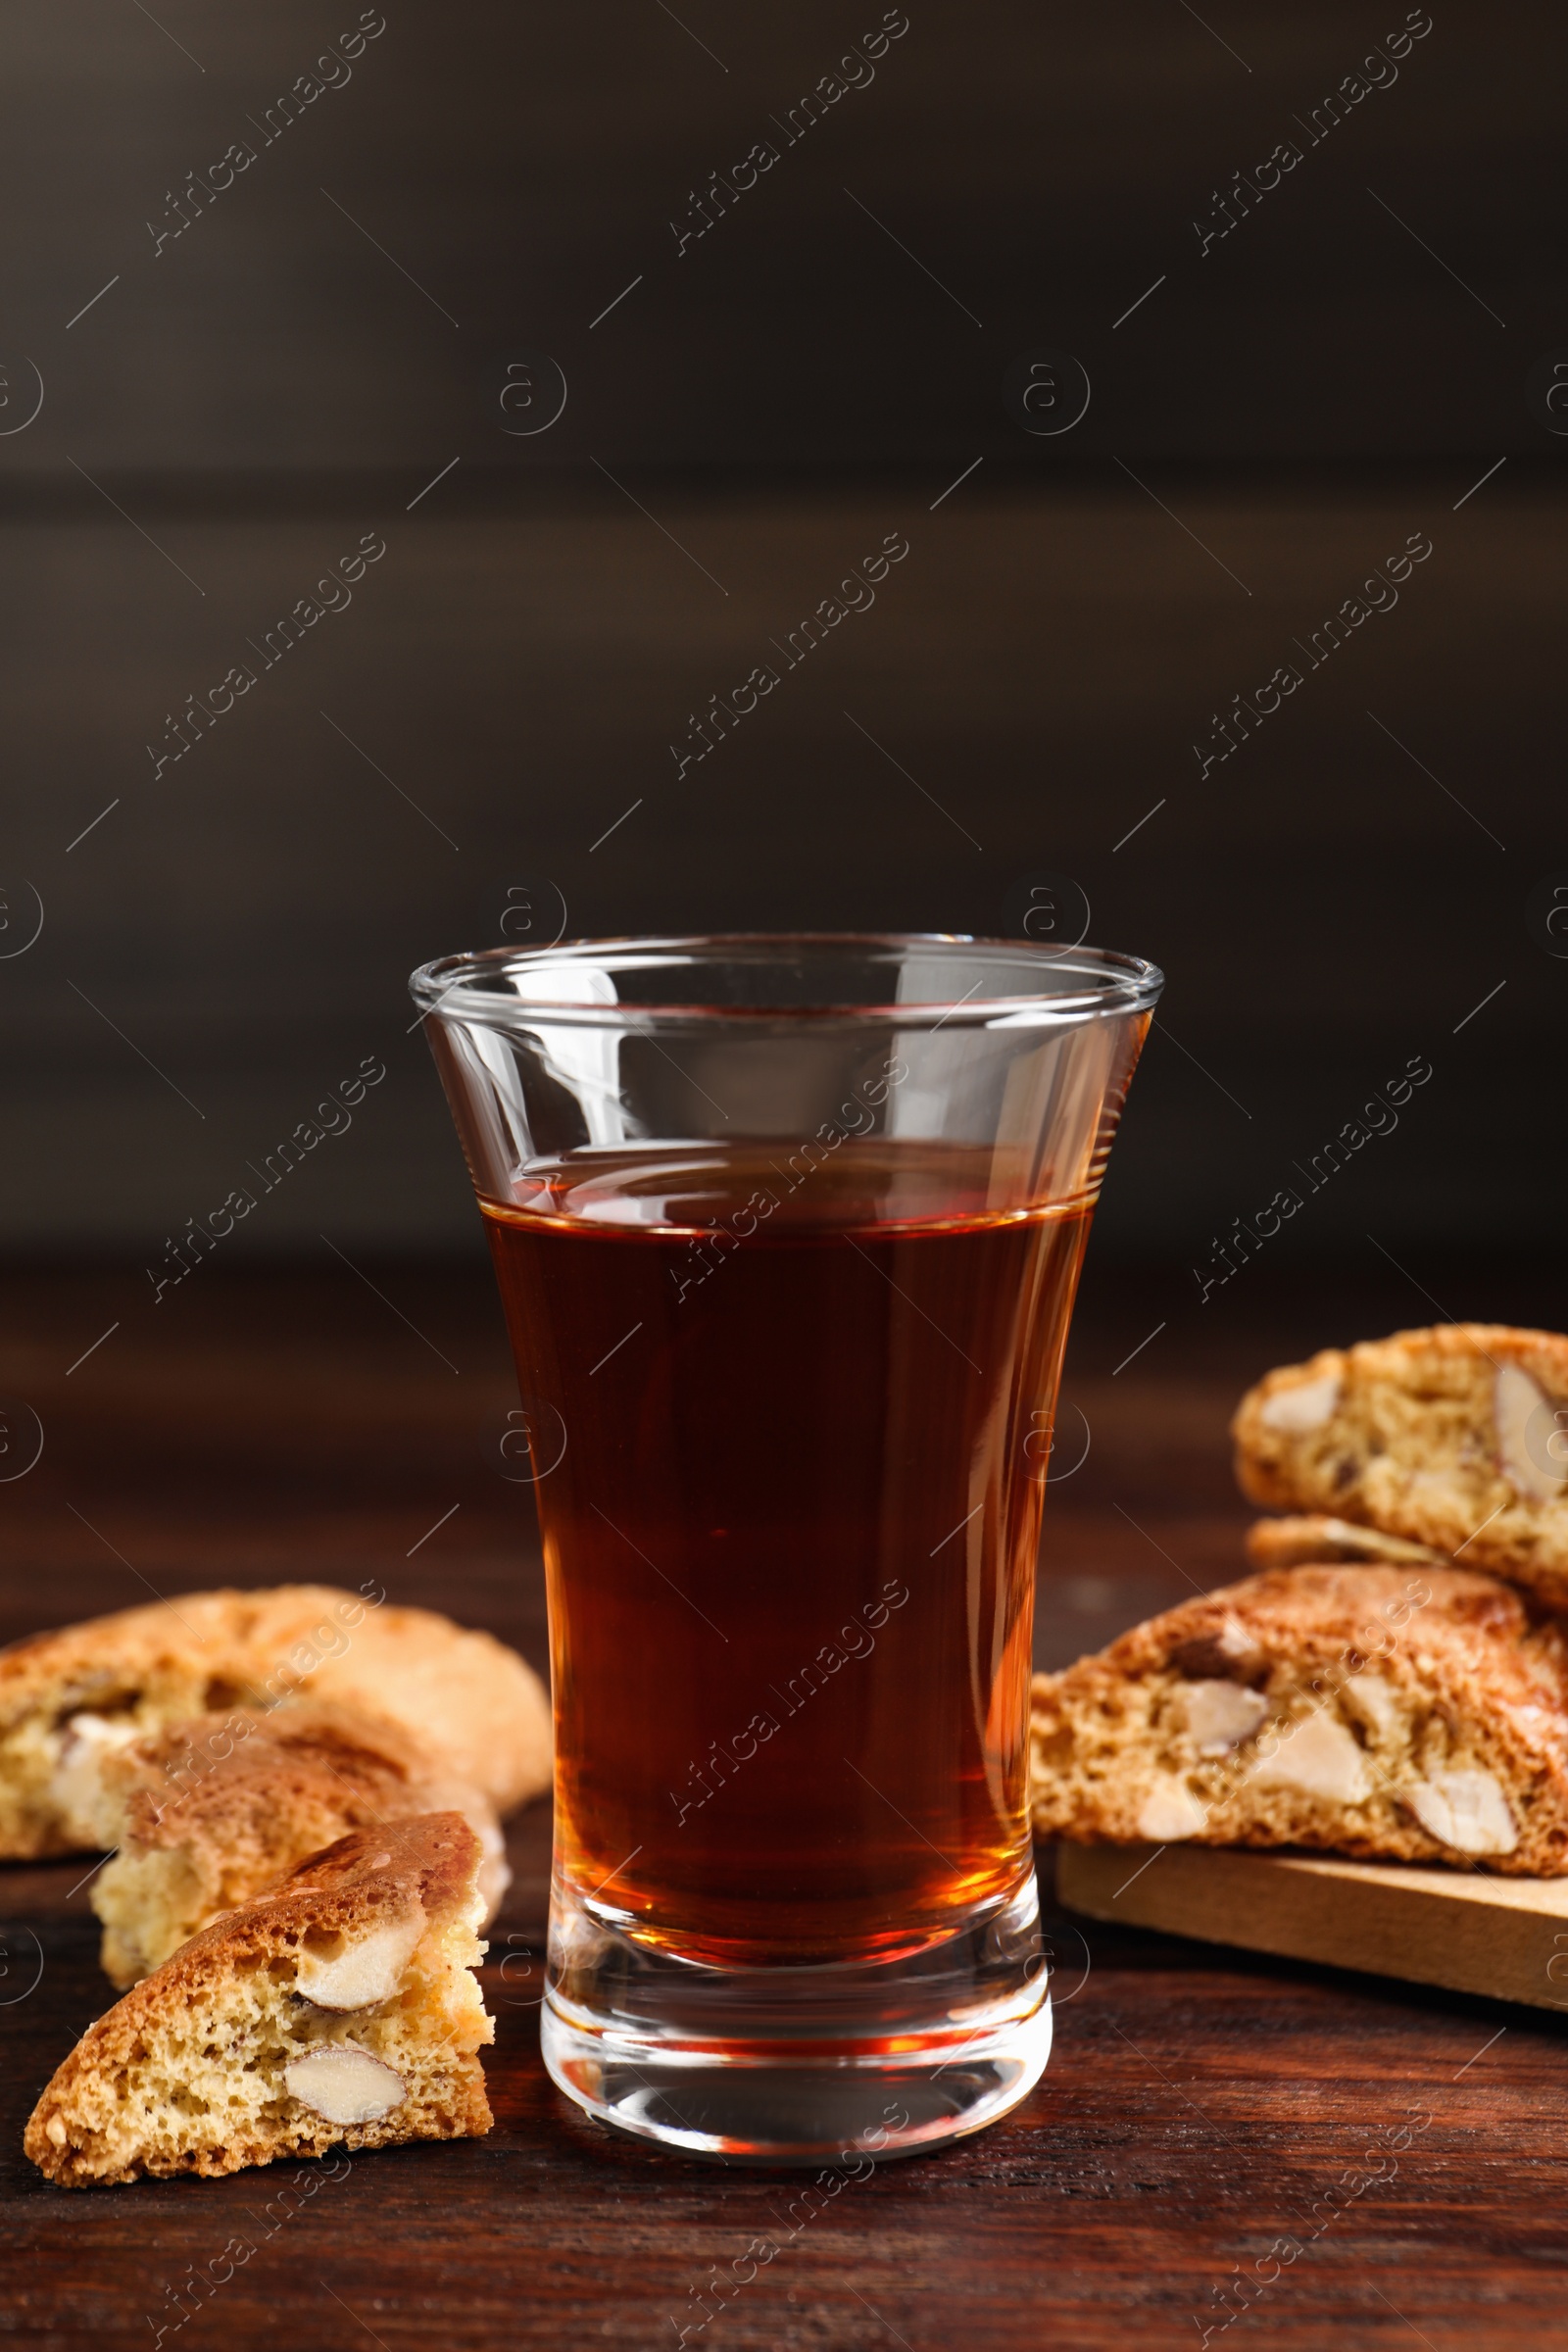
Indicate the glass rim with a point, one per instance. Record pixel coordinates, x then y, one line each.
1114 984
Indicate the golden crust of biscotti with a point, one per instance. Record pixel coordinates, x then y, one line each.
215 1810
465 1695
220 1780
1449 1436
1392 1713
185 2074
433 1855
183 1656
1299 1543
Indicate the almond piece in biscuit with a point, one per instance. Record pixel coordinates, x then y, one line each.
1396 1714
208 1814
1319 1540
68 1699
1454 1438
224 2057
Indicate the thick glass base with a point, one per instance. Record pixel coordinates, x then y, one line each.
842 2064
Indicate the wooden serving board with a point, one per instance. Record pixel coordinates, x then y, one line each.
1467 1929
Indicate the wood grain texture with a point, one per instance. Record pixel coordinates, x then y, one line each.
1041 663
1201 2109
522 169
1471 1932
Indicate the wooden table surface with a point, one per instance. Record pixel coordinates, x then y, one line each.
1370 2160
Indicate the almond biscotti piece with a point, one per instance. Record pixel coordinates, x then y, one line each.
1394 1714
209 1814
1456 1437
69 1698
338 2011
1316 1541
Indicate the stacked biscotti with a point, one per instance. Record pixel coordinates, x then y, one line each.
1393 1684
338 2009
302 1792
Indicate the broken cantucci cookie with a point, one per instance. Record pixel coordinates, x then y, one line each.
69 1699
1454 1438
209 1814
1392 1713
338 2010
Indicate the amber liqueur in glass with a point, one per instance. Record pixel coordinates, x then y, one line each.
803 1435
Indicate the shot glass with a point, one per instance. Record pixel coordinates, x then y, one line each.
788 1231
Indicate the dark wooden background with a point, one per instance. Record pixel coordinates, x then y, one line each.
1198 2104
1319 385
